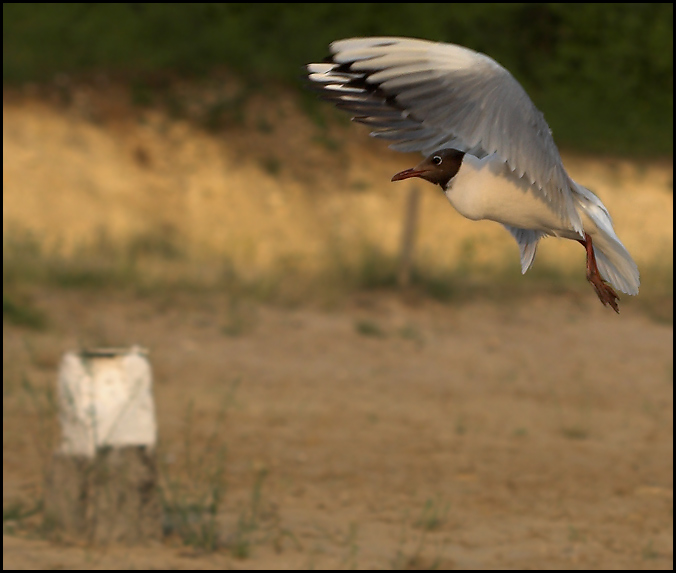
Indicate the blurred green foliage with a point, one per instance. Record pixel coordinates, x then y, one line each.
602 73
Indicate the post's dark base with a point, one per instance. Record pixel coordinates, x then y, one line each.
112 498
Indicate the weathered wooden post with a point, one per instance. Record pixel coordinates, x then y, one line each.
408 238
102 487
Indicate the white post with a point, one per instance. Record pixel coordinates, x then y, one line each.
102 484
105 399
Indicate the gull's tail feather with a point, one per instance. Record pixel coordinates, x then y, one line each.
612 258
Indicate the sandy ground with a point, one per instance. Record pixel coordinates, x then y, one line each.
483 436
384 432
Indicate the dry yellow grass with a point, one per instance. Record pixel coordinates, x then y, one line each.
268 191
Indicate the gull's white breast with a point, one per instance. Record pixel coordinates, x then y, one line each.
487 189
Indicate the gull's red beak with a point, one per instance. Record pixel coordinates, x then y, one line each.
407 173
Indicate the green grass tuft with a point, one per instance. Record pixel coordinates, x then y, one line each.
433 515
22 313
156 263
369 328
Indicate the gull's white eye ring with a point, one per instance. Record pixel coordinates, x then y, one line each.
436 160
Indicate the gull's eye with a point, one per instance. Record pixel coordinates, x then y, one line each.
436 160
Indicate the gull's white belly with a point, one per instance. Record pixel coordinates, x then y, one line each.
487 189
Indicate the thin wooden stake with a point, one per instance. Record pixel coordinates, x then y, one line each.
408 237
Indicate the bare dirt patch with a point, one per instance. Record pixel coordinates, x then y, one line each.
536 435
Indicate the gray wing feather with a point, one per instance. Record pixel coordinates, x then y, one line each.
528 244
428 95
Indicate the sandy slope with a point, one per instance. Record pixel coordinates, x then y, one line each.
261 196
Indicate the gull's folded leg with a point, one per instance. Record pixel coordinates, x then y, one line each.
604 291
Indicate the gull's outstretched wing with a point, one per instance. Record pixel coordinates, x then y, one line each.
425 96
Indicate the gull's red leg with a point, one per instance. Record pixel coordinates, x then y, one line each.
604 291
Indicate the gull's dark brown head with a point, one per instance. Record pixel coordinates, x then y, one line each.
439 168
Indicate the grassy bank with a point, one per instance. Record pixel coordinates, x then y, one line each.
260 199
164 273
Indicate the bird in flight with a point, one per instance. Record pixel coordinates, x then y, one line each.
484 141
